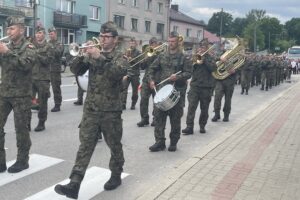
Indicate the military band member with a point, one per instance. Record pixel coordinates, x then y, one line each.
79 100
247 73
167 64
55 68
16 60
132 77
102 109
146 91
41 75
201 86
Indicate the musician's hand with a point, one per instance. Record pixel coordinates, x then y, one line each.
3 48
152 85
223 59
125 78
200 62
173 77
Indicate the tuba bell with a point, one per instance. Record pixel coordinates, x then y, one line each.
234 57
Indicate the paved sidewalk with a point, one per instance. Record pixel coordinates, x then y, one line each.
260 160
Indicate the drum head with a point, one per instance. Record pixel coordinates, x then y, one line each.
83 80
163 93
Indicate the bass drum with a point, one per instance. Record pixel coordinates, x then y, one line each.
83 81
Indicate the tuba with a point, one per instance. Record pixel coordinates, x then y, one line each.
234 57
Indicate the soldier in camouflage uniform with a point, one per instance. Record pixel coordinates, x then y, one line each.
132 77
247 73
80 93
102 109
55 68
146 91
201 86
16 60
41 75
167 64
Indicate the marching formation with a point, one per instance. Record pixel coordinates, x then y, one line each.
28 68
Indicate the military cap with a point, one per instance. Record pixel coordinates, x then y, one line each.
153 40
204 43
174 34
52 29
39 28
109 27
14 20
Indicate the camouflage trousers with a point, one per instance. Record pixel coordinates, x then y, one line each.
175 115
21 108
55 83
93 123
146 92
246 78
43 90
196 95
80 93
266 79
223 87
135 82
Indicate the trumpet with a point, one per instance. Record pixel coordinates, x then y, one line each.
75 49
5 40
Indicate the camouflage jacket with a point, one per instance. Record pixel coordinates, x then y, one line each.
16 66
45 55
167 64
58 50
202 73
105 80
134 71
145 66
249 64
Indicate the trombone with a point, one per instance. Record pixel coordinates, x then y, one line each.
75 49
197 58
149 52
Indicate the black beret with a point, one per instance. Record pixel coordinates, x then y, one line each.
109 27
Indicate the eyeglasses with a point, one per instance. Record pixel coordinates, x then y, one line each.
106 36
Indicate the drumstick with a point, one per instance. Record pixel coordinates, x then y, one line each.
168 78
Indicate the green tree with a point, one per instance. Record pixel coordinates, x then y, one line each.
238 25
255 15
293 29
271 29
218 19
248 34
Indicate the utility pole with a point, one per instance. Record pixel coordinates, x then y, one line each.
34 6
221 23
254 39
269 41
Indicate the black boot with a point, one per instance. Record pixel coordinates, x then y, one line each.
143 123
216 117
56 108
123 107
173 146
18 166
187 131
3 168
246 92
70 190
132 107
40 126
226 117
158 146
202 129
152 123
242 92
29 126
262 88
78 103
113 182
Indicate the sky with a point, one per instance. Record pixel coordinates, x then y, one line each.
283 10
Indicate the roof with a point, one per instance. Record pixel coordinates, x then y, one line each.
179 16
212 38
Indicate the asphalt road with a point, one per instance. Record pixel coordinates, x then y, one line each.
60 141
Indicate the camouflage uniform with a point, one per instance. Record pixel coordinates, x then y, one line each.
41 77
55 68
247 73
133 78
15 94
167 64
201 86
102 110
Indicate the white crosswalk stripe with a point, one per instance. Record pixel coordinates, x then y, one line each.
36 163
91 185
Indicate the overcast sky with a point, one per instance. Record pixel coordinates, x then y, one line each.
283 10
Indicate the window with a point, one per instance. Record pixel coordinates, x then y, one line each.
65 6
160 8
65 36
160 28
95 12
135 3
121 1
23 3
119 20
134 24
188 32
199 34
175 28
147 26
148 5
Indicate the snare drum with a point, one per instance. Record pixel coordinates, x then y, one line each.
166 98
83 81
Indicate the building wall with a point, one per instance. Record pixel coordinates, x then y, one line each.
182 30
141 13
